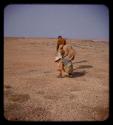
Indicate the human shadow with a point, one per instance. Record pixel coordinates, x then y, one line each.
83 67
78 74
82 61
81 73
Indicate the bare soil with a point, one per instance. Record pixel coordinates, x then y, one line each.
32 91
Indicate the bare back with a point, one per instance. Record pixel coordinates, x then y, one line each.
68 51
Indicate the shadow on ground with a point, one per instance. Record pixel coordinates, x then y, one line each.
80 61
79 74
84 66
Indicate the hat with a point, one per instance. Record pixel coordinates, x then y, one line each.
58 57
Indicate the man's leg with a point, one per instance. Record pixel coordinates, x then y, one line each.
60 73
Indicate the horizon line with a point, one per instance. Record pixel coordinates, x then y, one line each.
53 38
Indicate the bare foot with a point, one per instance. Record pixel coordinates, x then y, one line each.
70 75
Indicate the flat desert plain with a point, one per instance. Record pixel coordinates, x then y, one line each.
32 91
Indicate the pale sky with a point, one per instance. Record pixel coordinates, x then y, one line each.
51 20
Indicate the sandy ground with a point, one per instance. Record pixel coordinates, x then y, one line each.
32 92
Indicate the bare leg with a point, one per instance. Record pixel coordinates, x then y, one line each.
60 73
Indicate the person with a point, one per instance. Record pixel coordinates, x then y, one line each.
64 64
65 55
61 41
67 51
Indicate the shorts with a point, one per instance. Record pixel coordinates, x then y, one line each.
68 66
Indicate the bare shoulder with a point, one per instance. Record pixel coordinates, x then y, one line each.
67 46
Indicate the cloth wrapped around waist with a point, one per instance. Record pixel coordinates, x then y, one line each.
68 66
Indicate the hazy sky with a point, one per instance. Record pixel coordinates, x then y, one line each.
71 21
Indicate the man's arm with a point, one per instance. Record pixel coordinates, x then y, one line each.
64 42
58 43
57 47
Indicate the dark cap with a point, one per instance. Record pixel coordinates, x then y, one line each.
59 36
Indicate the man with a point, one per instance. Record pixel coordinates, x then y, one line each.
61 41
66 54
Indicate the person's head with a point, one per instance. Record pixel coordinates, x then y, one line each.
59 37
